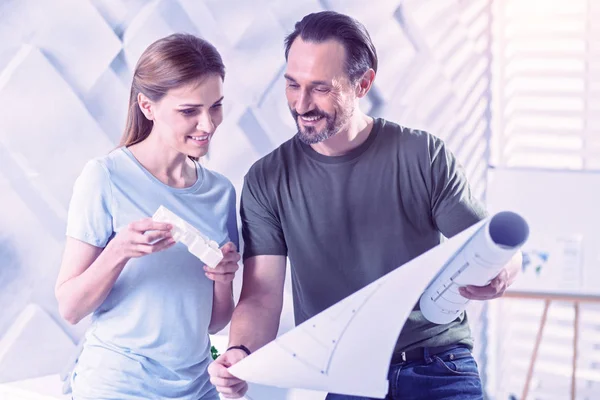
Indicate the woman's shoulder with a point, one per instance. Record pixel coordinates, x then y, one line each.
216 179
107 162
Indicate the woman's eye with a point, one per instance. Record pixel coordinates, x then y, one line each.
189 111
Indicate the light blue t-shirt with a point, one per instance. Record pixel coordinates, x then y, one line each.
149 338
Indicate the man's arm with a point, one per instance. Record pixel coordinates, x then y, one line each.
454 209
255 319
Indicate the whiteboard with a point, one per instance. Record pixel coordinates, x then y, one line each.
563 211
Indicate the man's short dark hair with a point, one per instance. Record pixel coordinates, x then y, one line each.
322 26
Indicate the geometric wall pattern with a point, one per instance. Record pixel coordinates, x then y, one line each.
65 73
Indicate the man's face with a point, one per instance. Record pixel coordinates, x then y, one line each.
319 93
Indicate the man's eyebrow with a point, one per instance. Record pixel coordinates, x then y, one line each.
289 78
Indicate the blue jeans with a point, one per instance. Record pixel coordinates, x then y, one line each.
449 375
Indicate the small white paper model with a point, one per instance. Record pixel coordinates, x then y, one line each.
198 244
347 348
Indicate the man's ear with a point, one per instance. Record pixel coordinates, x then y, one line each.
146 106
364 83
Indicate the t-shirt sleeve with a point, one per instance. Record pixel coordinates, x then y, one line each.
261 227
90 217
232 226
453 206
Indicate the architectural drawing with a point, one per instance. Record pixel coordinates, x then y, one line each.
347 348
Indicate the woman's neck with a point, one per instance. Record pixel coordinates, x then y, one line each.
167 164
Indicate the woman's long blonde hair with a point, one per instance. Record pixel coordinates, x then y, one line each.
167 64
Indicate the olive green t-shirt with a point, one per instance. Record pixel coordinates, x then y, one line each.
345 221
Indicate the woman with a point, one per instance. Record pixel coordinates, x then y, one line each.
153 302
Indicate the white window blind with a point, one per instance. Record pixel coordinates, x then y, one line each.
545 114
546 84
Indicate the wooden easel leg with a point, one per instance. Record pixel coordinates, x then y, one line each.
575 342
536 347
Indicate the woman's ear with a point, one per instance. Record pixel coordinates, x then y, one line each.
146 106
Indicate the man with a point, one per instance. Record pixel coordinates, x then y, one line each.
348 199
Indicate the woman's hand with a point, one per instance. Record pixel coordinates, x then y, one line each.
224 272
141 238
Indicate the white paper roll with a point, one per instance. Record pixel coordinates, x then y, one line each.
480 260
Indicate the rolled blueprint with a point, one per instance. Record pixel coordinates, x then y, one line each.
480 260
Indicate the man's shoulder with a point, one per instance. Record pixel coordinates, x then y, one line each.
409 141
407 134
273 163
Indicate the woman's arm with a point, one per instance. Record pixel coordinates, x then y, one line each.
223 275
88 273
222 307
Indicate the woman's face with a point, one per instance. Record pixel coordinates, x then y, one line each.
186 118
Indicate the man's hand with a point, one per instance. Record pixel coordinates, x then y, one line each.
228 385
498 285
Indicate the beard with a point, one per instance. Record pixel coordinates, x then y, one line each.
309 134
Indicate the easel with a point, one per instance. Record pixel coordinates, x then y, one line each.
548 298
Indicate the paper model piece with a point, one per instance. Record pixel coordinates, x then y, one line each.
198 244
347 348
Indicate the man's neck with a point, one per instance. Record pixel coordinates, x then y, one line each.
350 137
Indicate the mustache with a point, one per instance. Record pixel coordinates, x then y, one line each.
312 113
